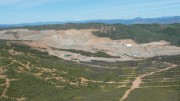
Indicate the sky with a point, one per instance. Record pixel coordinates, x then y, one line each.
28 11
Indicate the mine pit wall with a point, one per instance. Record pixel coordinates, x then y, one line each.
84 40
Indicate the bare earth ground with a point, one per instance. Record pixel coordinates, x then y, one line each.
7 85
86 41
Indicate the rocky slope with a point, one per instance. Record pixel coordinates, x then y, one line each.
84 40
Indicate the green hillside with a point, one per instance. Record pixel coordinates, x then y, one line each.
31 75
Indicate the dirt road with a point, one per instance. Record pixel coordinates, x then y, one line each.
137 82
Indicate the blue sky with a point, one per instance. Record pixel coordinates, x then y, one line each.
26 11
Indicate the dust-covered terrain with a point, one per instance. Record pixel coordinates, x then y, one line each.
61 43
96 63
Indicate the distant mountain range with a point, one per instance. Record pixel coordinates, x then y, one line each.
160 20
138 20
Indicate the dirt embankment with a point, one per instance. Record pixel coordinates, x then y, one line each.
84 40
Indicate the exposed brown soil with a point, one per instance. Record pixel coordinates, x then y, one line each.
8 83
137 82
84 40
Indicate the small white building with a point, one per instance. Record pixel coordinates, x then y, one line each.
50 53
128 45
